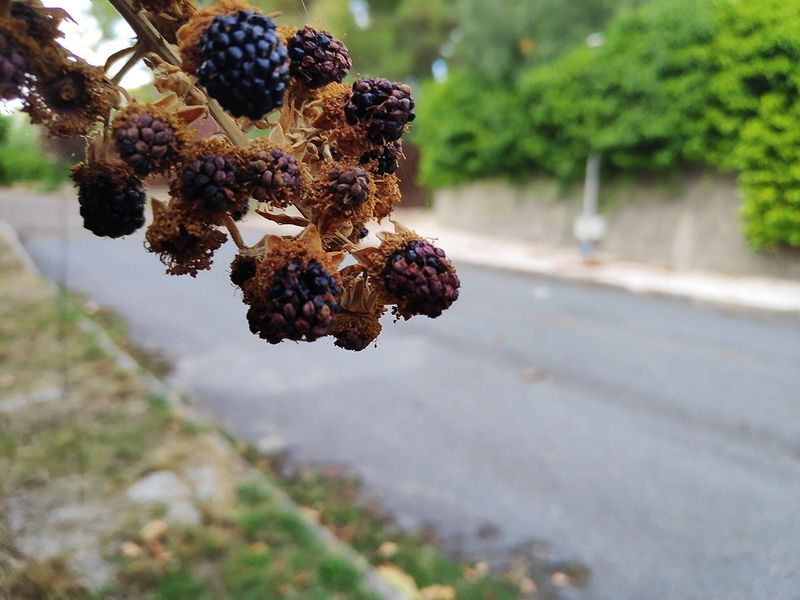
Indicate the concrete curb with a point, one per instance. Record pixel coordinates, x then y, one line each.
176 401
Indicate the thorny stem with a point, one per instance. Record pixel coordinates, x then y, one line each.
233 229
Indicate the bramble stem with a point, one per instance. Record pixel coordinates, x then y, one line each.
283 219
233 229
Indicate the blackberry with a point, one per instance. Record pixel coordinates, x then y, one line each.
318 58
210 180
299 304
110 197
348 188
146 142
244 66
422 279
13 70
387 158
272 175
243 269
383 106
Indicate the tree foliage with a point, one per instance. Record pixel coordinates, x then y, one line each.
677 82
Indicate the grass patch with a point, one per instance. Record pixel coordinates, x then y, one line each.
79 432
370 531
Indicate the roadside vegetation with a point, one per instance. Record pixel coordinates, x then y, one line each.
675 83
22 158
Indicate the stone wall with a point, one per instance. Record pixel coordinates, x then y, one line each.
686 222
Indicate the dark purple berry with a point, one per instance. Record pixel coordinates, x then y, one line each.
383 106
211 181
422 279
111 201
318 58
348 188
244 66
299 304
145 142
272 175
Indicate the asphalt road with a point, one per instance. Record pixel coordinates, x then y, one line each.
654 440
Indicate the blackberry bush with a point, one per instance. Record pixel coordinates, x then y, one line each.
326 168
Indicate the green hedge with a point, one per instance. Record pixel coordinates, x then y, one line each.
22 158
677 82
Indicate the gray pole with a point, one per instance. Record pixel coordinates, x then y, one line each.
591 193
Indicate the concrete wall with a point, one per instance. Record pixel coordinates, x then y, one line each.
687 222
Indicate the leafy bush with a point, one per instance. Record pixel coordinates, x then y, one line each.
22 158
677 81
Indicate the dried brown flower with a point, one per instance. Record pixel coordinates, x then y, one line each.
69 95
41 24
184 244
387 195
358 324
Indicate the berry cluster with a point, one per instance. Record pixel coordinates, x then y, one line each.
328 163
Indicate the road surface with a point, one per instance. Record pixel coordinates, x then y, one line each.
656 441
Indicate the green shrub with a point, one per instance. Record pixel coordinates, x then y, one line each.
22 158
677 82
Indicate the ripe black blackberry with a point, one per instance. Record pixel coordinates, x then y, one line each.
273 175
387 158
348 188
422 280
13 69
244 66
146 142
211 181
383 106
299 304
318 58
111 198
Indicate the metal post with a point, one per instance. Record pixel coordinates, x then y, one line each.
589 226
591 193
